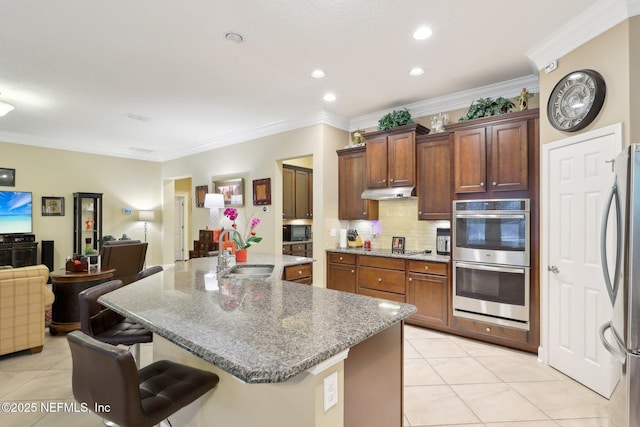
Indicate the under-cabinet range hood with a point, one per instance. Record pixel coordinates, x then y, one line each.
389 193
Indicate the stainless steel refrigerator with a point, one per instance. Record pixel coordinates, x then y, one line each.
621 335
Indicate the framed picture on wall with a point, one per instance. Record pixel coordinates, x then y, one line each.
7 177
262 192
201 192
53 206
232 190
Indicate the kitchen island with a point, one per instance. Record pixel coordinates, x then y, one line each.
280 348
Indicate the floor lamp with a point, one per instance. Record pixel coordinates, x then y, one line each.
147 217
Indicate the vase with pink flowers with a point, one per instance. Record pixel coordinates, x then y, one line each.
250 236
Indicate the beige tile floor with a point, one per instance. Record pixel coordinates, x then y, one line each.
449 381
453 381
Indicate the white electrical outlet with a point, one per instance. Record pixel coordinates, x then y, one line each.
333 232
330 391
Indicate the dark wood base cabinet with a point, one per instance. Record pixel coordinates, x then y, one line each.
428 289
425 284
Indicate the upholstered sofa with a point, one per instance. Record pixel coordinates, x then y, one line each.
126 256
23 297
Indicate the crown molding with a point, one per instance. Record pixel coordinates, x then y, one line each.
589 24
320 117
455 101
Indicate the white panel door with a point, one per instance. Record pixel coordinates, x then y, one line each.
578 180
178 229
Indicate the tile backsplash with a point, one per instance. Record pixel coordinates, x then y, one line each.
397 218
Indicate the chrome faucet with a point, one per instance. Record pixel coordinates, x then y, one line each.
224 257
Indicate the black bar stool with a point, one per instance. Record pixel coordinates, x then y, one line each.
108 326
106 379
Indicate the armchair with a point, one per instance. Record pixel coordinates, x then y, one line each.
23 297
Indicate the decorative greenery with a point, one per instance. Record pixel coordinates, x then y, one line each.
250 234
395 119
487 107
90 251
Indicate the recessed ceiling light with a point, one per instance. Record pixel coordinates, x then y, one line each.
318 74
329 97
422 33
233 37
416 71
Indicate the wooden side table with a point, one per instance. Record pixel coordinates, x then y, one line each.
66 286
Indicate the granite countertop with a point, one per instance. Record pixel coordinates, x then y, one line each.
409 254
259 330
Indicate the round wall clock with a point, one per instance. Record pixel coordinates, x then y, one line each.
576 100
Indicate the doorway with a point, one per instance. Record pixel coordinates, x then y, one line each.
575 303
179 227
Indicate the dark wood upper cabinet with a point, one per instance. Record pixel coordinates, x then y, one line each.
351 184
433 156
297 192
492 157
391 158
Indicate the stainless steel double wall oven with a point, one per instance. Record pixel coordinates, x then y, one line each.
491 261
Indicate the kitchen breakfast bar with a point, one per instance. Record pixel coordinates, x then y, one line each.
287 354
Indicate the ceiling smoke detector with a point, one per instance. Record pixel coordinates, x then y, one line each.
233 37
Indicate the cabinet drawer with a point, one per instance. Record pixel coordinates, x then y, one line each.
381 262
297 247
297 272
428 267
381 279
342 258
286 249
381 294
491 330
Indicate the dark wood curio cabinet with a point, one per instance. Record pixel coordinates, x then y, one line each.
87 222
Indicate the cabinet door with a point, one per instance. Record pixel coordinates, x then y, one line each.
288 193
302 194
351 184
434 179
376 163
341 277
402 160
310 194
429 294
509 167
470 161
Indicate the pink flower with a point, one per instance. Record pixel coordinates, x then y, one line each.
254 223
231 213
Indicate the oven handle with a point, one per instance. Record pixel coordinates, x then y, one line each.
498 216
520 270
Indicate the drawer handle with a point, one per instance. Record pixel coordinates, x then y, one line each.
411 279
340 258
299 272
353 271
379 279
482 184
426 267
488 329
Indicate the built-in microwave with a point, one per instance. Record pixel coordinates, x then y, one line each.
296 232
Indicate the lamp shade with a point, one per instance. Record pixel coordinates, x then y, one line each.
147 216
213 200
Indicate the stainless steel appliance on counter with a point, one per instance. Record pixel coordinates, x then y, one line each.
491 258
443 241
624 286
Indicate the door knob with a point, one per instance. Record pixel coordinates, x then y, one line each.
553 269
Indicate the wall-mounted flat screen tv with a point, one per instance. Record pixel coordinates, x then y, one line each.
16 214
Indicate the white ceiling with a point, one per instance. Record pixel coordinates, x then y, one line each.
75 69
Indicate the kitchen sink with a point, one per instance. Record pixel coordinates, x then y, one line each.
259 271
